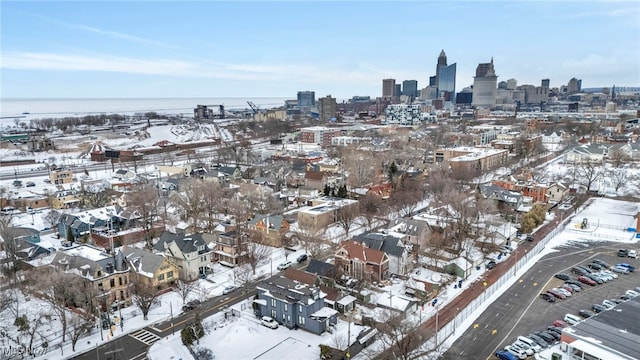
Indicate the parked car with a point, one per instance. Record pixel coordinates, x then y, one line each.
529 237
579 271
532 344
505 355
562 276
604 275
597 308
620 270
554 330
595 278
628 266
602 263
564 292
491 264
527 349
609 304
623 253
560 324
575 282
573 287
585 268
586 313
632 293
546 337
17 183
521 354
557 294
229 289
30 184
191 305
595 266
302 258
284 265
586 280
631 254
540 341
548 297
555 335
269 322
610 273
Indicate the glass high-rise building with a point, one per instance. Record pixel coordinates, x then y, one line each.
306 98
446 78
410 88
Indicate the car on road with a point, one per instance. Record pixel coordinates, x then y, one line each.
548 297
628 266
597 308
269 322
529 237
302 258
562 276
284 265
631 254
586 313
229 289
623 253
191 305
505 355
557 294
586 280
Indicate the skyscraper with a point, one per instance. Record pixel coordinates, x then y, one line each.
410 88
485 85
306 98
445 78
327 108
388 87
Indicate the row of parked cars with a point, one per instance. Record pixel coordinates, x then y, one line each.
535 342
607 304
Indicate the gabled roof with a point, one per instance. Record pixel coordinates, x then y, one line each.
227 170
321 268
388 244
495 192
300 276
314 175
186 243
356 250
143 261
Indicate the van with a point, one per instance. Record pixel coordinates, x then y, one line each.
572 319
532 344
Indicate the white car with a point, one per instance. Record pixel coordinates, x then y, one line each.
527 349
519 352
229 289
608 304
610 273
632 293
633 254
564 292
269 322
284 265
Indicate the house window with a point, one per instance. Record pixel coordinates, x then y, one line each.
273 302
99 273
169 274
284 317
286 307
120 280
274 314
112 282
288 318
300 309
300 320
160 277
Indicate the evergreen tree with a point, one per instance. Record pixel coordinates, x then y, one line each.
327 190
392 171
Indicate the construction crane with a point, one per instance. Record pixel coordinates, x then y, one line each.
254 108
206 112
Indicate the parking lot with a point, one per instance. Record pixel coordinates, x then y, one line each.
521 311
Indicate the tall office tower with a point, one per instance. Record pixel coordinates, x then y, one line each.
410 88
327 108
388 87
485 85
512 84
573 86
398 90
432 81
306 98
545 83
446 78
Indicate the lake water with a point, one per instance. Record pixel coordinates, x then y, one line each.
44 108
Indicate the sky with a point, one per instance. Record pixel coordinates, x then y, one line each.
146 49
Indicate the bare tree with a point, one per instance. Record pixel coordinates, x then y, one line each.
242 275
310 236
144 200
31 328
79 325
51 218
587 173
399 336
255 249
346 216
618 178
61 290
189 201
260 199
369 207
359 165
213 201
617 156
184 289
406 196
144 296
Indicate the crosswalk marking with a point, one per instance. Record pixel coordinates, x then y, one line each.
145 337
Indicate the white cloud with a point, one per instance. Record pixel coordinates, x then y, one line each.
114 34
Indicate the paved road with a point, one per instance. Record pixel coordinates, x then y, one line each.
134 345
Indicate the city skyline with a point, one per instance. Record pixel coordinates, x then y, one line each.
275 49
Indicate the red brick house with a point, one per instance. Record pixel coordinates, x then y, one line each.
357 260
